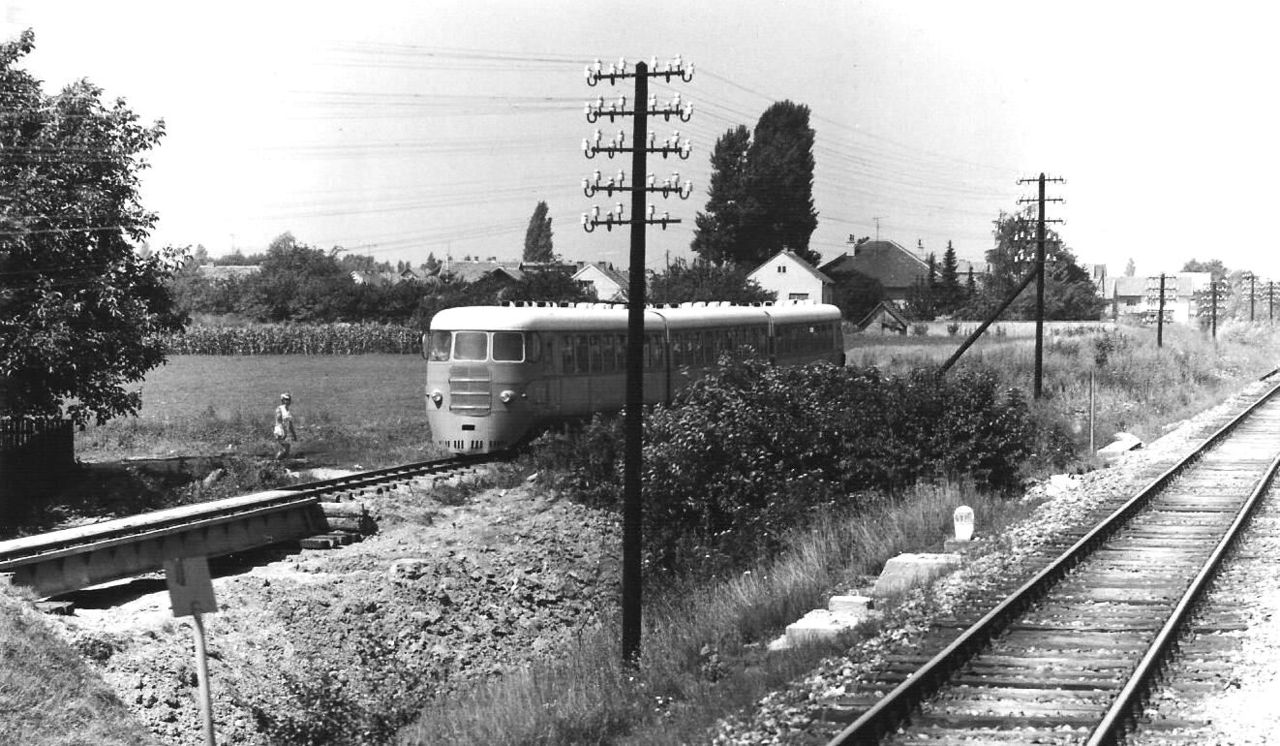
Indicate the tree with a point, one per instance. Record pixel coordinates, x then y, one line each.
537 239
81 311
1070 293
1130 268
856 294
780 179
718 232
1214 267
701 280
299 283
761 196
950 296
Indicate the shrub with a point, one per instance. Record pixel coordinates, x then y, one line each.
752 450
919 330
953 329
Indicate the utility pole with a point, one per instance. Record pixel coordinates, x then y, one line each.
1252 278
1271 301
877 227
1160 290
1040 221
643 143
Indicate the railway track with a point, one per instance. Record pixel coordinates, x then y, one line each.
75 558
1070 656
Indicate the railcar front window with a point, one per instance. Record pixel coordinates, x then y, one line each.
508 347
470 346
438 346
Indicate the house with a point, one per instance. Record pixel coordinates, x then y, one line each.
792 278
885 318
896 268
1139 297
471 271
610 284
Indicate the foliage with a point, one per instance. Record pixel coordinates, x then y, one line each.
761 196
295 339
537 239
79 306
301 283
740 458
704 281
1069 290
1214 267
856 294
719 231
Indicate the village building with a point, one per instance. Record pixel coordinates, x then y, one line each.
792 278
610 284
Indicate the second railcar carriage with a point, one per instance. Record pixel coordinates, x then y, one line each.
496 372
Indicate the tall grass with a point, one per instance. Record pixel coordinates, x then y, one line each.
704 645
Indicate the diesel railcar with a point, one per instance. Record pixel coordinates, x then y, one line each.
496 372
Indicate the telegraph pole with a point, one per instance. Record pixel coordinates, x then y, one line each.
1160 315
643 143
1040 221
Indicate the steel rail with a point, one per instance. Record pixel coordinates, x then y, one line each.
895 707
1125 708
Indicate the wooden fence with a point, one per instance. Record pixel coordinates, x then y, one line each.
33 451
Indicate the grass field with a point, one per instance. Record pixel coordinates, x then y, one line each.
347 409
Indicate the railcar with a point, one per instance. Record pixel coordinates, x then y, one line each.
495 373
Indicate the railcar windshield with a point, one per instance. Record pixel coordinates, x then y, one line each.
508 347
438 346
470 346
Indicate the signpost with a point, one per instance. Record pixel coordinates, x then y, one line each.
190 594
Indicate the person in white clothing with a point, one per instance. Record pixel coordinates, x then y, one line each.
284 427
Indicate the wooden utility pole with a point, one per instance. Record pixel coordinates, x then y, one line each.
633 425
1038 387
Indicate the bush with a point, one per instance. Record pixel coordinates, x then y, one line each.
752 450
919 330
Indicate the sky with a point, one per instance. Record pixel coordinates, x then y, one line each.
402 129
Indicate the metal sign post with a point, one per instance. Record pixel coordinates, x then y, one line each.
190 593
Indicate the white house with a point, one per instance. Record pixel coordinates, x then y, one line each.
792 278
1139 297
610 284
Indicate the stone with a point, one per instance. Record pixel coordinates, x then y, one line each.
409 568
213 477
1121 444
850 604
908 570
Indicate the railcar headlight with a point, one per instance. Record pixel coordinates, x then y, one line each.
437 397
507 396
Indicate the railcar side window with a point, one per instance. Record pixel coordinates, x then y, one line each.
607 352
472 346
580 354
566 348
508 347
596 365
438 346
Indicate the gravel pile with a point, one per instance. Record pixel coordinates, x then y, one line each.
789 715
440 596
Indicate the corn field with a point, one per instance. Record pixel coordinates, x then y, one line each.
296 339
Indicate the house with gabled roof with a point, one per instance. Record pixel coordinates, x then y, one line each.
792 278
610 284
896 268
885 318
